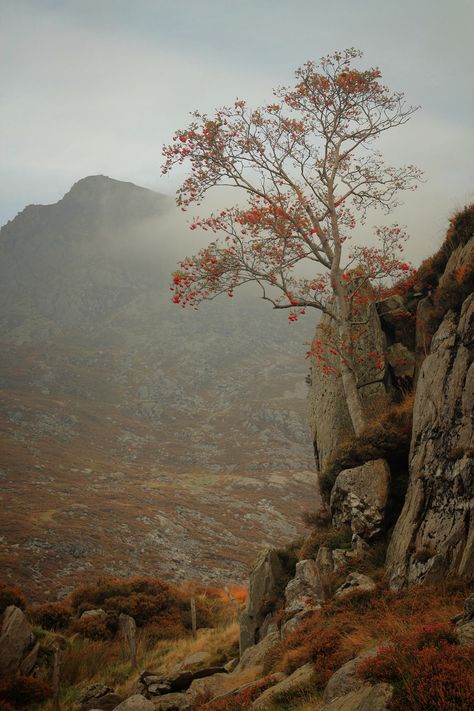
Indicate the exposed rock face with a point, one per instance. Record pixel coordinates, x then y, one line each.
434 535
16 641
265 584
359 498
329 418
303 594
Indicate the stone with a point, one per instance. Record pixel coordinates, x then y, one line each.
98 696
367 698
231 665
211 686
298 682
359 498
16 640
345 679
396 320
97 614
254 656
324 561
465 633
172 702
355 582
275 678
305 591
265 583
136 703
434 535
402 362
28 662
196 660
303 594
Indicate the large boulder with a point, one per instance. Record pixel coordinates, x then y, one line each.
367 698
16 643
265 586
359 498
296 684
434 535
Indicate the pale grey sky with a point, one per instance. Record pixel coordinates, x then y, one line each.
96 86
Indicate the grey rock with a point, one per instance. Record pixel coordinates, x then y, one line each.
28 662
15 640
367 698
172 702
355 582
434 535
98 614
136 703
254 656
303 594
345 679
98 696
465 633
402 361
297 683
265 583
359 498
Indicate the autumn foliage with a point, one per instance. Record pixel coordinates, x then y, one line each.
23 692
428 668
10 595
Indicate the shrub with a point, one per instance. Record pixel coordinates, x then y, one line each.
331 538
428 669
312 641
51 616
96 628
24 691
11 596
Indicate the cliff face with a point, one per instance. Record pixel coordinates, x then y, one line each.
434 535
428 347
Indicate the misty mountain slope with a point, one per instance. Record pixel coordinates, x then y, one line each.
125 418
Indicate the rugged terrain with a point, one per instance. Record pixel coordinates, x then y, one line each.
137 438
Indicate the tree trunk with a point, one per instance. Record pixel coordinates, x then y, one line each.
354 403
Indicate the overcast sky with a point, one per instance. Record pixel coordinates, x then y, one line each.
97 86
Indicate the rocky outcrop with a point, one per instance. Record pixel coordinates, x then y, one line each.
303 594
329 418
434 535
265 585
359 498
18 651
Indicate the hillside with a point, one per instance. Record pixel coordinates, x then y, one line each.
124 419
